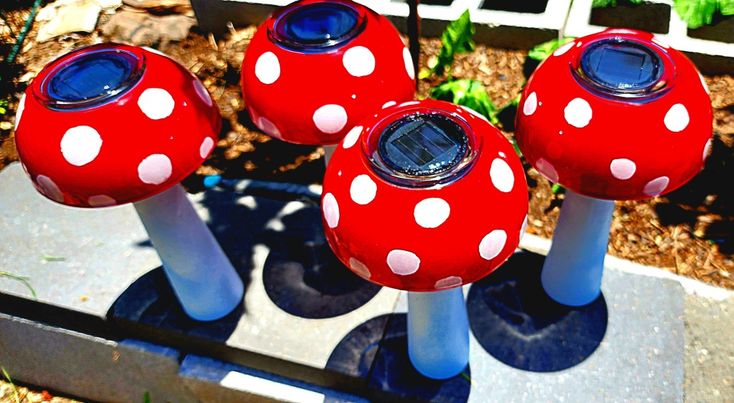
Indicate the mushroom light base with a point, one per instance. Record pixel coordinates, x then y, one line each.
315 68
616 115
111 124
426 197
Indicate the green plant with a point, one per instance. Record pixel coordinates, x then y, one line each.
697 13
16 396
610 3
456 39
469 93
542 51
22 279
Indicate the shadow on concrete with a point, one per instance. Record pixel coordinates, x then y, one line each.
149 302
517 323
303 277
382 343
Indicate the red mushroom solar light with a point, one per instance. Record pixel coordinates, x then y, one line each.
616 115
426 197
112 124
315 68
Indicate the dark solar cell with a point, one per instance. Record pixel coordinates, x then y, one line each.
622 66
423 145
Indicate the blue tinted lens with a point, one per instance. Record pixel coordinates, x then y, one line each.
622 66
423 145
317 26
96 76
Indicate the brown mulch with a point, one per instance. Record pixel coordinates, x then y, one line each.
688 232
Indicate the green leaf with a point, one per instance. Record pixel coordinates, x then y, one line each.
603 3
22 279
556 189
545 49
146 397
469 93
457 38
697 13
726 7
16 397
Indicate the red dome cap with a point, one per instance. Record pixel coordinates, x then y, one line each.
110 124
304 86
616 115
423 197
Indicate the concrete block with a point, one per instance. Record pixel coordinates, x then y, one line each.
710 56
80 259
500 23
87 366
216 381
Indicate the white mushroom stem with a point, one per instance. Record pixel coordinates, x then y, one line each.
573 269
202 277
328 152
438 333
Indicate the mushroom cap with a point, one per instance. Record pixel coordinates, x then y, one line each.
314 95
636 142
417 234
110 124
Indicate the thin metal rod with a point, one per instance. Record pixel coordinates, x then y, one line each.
414 34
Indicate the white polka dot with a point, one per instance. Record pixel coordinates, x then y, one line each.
388 104
330 118
80 145
202 92
351 138
660 41
677 118
408 61
707 149
622 168
19 113
578 44
267 68
156 103
49 188
563 49
206 147
492 244
331 210
530 104
354 96
448 282
101 201
360 268
547 170
431 212
502 154
268 127
155 169
359 61
578 113
656 186
501 174
703 83
403 262
363 190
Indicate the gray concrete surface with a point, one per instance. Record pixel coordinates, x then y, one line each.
709 363
81 259
629 346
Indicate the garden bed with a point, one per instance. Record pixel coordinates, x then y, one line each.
689 232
